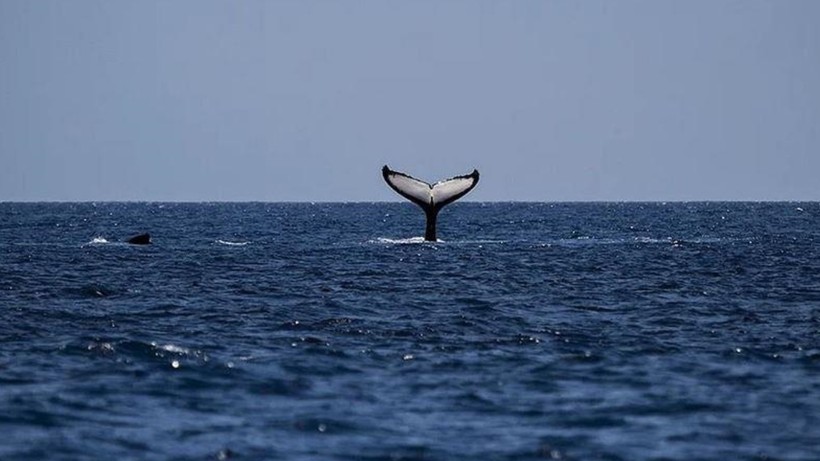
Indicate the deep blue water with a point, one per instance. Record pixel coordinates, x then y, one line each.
682 331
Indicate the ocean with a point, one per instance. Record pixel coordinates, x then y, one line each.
331 331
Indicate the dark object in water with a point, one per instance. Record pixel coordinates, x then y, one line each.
142 239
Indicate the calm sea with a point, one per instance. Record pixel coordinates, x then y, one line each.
250 331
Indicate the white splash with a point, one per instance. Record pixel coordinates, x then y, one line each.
404 241
172 348
233 244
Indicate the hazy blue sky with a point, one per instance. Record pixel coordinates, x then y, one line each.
306 100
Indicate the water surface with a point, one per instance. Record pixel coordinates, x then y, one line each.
331 331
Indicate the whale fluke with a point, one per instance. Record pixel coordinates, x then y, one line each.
431 198
142 239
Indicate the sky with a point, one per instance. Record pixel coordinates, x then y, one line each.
650 100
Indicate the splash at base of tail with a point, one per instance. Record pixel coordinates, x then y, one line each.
430 197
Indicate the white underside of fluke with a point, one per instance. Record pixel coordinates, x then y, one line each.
405 185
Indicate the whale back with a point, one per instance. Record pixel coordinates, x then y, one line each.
142 239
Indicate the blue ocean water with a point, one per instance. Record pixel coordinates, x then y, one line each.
605 331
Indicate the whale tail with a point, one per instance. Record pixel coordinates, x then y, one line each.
430 197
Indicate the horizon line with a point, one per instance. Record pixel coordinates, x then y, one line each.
313 202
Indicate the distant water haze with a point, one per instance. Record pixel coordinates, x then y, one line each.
305 101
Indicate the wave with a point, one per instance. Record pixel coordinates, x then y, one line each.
137 351
676 241
404 241
590 241
564 242
233 244
479 242
420 240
